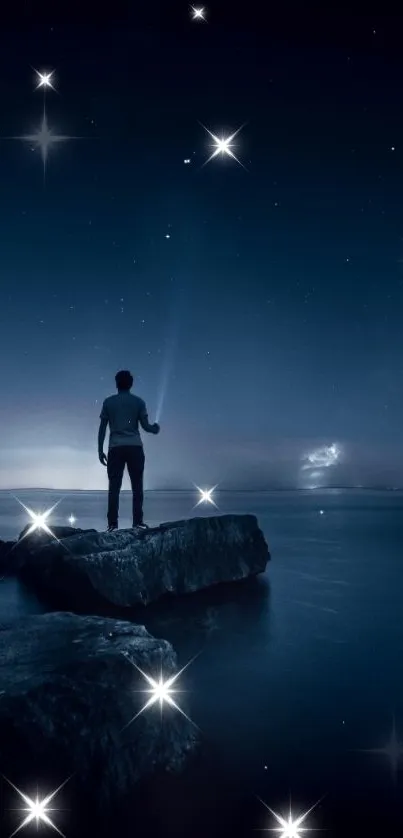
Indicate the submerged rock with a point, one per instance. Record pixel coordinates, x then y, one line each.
126 567
68 691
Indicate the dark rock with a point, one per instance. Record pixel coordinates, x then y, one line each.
40 537
8 557
14 553
126 568
68 690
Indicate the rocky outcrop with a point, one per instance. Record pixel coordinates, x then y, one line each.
127 568
68 692
13 554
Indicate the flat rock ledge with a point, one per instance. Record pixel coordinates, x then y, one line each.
68 690
127 568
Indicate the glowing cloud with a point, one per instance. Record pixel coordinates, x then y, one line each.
328 455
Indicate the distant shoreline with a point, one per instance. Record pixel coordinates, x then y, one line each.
217 491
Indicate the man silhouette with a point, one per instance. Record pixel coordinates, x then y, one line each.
124 412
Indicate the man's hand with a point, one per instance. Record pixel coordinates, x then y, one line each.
102 458
156 428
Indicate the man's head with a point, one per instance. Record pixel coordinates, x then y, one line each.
124 380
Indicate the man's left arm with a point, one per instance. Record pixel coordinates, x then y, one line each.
101 434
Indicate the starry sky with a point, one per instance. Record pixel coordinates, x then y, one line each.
257 303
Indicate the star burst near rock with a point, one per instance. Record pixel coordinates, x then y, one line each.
38 519
161 691
206 496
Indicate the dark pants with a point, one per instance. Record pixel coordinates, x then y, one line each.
131 456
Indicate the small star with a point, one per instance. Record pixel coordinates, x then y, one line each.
167 236
321 512
186 161
393 148
72 520
198 14
392 750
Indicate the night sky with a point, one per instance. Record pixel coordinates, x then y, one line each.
259 306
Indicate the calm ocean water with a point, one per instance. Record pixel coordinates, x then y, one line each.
299 674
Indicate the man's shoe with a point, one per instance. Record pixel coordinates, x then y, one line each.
112 528
141 527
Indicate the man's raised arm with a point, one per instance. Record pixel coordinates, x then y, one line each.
143 419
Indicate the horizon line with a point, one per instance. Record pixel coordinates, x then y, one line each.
382 488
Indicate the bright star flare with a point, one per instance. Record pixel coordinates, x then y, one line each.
37 809
72 520
161 691
324 457
39 522
44 79
39 519
205 496
198 14
223 146
291 827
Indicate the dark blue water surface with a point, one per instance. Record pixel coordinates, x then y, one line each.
299 674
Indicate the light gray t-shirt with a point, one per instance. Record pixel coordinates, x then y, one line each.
124 412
